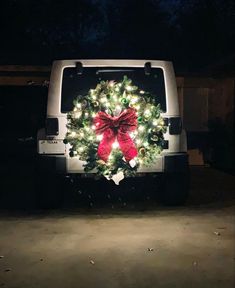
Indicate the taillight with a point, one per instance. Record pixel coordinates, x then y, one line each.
52 126
175 125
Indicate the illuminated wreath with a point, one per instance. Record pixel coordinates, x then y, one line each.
115 128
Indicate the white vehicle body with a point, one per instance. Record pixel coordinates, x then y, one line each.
52 145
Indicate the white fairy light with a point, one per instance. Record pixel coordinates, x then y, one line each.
99 137
132 135
115 145
77 115
141 128
137 107
117 110
93 127
87 128
155 122
146 144
142 92
134 99
79 106
161 122
103 99
73 134
86 114
80 149
129 88
147 112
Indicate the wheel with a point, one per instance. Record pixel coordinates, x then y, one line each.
49 192
48 188
175 188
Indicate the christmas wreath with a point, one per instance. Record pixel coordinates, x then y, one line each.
115 128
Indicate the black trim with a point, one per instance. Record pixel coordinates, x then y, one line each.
147 68
165 144
52 126
175 125
166 122
79 68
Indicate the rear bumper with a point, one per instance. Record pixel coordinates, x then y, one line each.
169 163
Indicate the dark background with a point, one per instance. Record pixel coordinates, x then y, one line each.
197 35
192 33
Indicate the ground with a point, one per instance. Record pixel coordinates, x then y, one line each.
128 245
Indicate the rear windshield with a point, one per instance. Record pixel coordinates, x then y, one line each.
75 84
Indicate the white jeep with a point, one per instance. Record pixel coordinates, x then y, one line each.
70 78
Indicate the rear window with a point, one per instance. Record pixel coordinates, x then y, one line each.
74 84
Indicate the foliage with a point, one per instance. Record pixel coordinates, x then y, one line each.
113 98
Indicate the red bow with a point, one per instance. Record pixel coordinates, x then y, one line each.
116 127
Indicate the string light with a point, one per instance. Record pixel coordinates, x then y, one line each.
141 128
137 107
155 122
103 100
114 99
147 112
77 115
80 149
99 137
115 145
134 100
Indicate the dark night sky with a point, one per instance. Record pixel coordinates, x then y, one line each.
192 33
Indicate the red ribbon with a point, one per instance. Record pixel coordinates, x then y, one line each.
116 128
